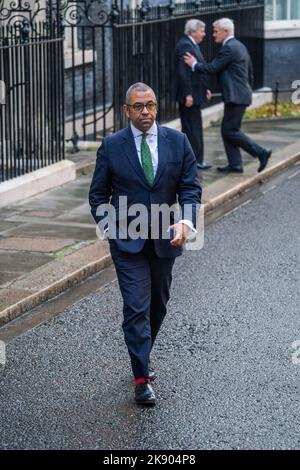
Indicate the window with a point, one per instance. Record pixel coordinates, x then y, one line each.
269 10
282 10
295 9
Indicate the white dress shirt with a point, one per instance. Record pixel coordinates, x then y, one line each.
193 40
151 141
227 39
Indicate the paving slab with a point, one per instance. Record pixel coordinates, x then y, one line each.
57 269
47 200
12 296
51 231
7 225
12 261
44 245
5 277
44 214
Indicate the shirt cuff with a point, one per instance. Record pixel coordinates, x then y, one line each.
189 224
102 235
193 65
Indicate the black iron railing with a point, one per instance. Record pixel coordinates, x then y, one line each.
32 109
106 47
144 42
109 46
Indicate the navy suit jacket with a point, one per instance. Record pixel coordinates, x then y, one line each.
233 68
118 173
187 82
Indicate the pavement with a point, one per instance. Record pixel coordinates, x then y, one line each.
48 243
227 370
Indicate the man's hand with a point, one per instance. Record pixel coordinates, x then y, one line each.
189 59
208 95
189 101
180 234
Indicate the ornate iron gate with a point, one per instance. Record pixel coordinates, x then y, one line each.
88 67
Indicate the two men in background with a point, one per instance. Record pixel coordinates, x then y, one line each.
233 68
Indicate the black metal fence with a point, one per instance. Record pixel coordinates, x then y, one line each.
67 65
144 44
110 46
32 109
88 67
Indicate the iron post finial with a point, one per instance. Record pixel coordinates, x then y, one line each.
115 12
24 30
197 4
171 6
144 8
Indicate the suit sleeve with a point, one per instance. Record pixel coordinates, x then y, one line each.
184 71
224 57
100 190
189 189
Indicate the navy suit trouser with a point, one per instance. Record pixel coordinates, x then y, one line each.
234 138
191 125
144 281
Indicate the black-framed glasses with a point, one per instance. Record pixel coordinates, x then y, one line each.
139 107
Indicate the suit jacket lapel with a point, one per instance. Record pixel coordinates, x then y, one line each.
201 56
198 53
128 145
163 152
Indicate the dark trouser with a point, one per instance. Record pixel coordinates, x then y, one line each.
191 125
234 138
144 281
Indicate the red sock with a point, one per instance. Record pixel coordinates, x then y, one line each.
141 380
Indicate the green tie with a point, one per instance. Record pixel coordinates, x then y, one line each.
147 160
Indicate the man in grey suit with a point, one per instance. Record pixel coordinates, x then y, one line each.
192 89
233 68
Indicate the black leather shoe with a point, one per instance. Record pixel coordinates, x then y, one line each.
144 394
230 169
264 160
203 166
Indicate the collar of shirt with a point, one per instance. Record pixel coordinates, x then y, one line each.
152 141
137 133
226 40
193 40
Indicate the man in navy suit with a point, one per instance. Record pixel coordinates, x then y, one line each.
233 68
192 89
148 165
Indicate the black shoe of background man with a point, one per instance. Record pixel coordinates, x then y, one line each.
264 159
230 169
144 394
203 166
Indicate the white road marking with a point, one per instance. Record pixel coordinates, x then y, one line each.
293 175
238 207
269 189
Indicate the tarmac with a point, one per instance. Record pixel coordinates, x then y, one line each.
48 243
